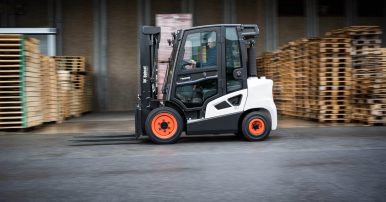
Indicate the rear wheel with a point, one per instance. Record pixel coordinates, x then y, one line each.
256 126
164 125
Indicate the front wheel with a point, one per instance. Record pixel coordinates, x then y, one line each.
164 125
256 126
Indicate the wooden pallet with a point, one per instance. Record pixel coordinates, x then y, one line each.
20 89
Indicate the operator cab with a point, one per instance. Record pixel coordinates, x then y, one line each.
209 64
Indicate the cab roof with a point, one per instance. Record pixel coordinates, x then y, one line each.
221 25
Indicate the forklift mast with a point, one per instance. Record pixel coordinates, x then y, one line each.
149 44
150 38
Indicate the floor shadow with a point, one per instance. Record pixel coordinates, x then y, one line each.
95 140
209 138
99 140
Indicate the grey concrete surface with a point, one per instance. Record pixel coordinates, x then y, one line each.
297 164
118 122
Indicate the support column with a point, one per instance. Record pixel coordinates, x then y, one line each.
58 24
312 18
144 12
51 45
229 11
51 39
351 12
187 6
51 13
271 31
100 53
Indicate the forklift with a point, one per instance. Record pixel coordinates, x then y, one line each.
210 87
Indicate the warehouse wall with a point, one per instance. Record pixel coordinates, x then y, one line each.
208 12
164 7
24 13
78 28
35 14
330 23
290 28
252 12
122 55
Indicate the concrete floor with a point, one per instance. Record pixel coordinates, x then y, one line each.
121 122
94 161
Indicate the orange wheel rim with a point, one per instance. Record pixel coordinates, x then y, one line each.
256 127
164 125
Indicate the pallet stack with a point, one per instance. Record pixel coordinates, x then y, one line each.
259 63
20 79
64 94
335 80
169 23
267 66
87 92
72 90
288 79
49 89
378 110
367 72
312 53
301 75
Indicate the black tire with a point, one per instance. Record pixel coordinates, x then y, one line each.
159 123
260 128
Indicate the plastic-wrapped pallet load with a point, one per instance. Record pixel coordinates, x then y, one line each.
169 23
20 82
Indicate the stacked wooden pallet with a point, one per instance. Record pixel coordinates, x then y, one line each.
288 79
87 92
377 88
64 94
367 72
312 68
301 75
310 81
335 80
49 89
20 79
169 23
267 66
72 88
259 63
378 109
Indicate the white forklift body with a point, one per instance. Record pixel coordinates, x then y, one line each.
258 95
